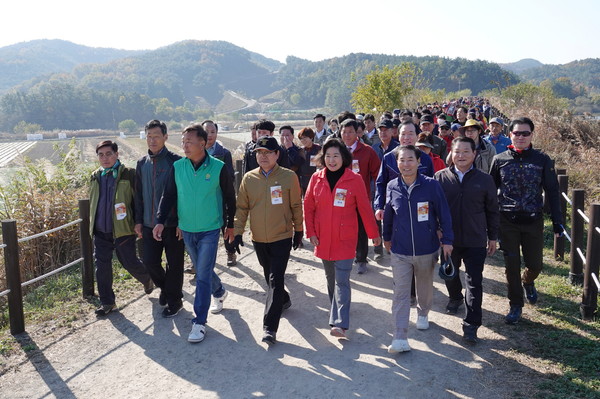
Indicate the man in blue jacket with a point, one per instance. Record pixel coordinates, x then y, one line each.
416 212
152 172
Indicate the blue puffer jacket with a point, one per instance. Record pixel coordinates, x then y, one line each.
413 216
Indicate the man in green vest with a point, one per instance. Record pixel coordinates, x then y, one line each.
202 188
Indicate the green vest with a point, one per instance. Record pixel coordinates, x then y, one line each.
199 195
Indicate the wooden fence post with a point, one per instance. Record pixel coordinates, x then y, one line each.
577 226
589 301
559 242
13 277
87 266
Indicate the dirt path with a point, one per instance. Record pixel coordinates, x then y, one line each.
136 353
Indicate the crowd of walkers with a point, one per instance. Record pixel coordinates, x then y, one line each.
443 183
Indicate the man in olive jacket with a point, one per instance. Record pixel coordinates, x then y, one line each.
112 223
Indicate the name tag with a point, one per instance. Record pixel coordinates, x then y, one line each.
276 195
422 211
312 161
340 197
120 211
355 167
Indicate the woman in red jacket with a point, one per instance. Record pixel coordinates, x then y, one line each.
333 196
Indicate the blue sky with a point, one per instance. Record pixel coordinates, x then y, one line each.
552 32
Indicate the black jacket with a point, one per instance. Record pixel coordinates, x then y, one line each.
521 177
473 206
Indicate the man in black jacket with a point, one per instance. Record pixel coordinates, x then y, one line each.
521 174
473 202
152 172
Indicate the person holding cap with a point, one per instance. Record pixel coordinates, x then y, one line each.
270 196
439 145
485 150
425 145
473 202
522 174
498 140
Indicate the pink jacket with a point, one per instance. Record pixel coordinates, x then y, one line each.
330 215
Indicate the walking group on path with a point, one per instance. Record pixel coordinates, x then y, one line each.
440 183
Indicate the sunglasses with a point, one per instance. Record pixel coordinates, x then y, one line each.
524 133
445 128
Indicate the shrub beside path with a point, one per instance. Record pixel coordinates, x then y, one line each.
136 353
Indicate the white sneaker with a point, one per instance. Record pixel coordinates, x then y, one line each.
422 323
399 345
198 332
217 303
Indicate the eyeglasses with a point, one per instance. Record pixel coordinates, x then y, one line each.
524 133
105 155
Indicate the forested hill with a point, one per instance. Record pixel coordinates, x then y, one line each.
584 72
23 61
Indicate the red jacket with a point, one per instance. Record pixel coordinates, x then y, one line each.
336 227
368 163
438 163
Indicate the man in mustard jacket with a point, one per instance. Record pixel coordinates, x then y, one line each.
112 223
270 195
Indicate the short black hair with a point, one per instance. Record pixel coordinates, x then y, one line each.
407 147
198 129
349 122
264 124
208 121
342 116
369 116
521 121
156 123
107 143
288 127
464 139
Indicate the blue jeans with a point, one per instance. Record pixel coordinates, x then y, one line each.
202 248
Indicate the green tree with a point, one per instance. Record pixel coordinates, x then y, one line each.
384 89
24 127
128 125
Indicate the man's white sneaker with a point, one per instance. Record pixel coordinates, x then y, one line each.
422 323
217 303
197 334
399 345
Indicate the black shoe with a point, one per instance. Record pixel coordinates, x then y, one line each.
269 337
514 315
470 333
162 299
103 310
453 305
171 311
231 259
149 286
287 305
530 293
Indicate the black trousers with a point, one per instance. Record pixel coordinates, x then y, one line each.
362 245
516 238
473 259
273 257
169 279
